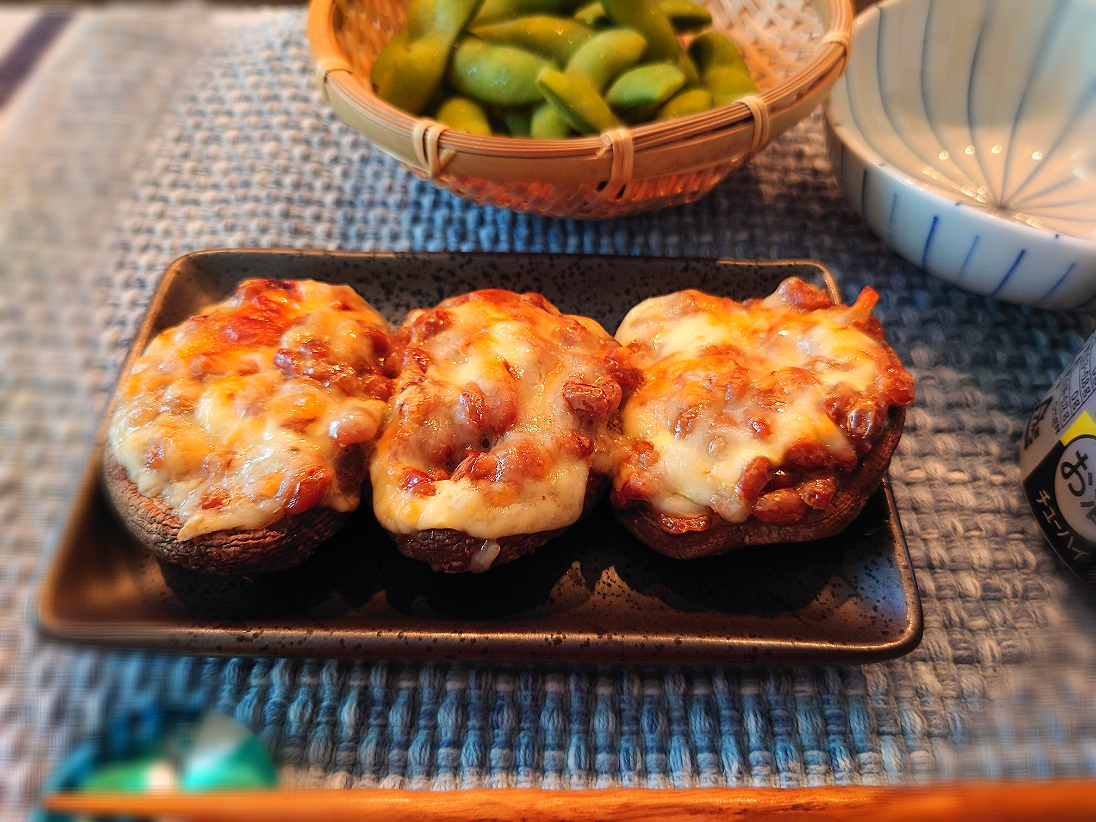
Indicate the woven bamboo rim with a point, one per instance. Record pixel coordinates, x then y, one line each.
616 173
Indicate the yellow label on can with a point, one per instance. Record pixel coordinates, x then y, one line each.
1083 425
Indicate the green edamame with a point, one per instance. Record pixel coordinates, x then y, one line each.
685 15
387 57
645 17
712 49
546 124
728 84
451 16
593 15
548 68
414 74
644 89
577 102
494 10
575 94
497 75
420 19
605 55
518 120
463 114
410 75
684 103
722 70
556 38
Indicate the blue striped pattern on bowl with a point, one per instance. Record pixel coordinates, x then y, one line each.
963 134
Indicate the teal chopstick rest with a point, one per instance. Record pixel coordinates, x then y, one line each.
135 776
158 750
225 754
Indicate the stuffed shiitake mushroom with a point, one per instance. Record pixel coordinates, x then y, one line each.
759 422
502 428
239 439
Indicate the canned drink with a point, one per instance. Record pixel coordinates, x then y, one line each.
1058 464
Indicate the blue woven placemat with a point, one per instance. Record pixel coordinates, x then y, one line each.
153 132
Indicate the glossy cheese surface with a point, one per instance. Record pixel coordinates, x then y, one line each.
261 406
502 410
755 408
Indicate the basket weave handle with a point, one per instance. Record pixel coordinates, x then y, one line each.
760 110
619 142
324 66
424 140
841 38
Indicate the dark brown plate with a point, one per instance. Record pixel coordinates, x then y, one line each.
594 593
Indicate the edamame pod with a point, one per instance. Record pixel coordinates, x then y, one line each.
577 102
684 103
415 73
387 57
518 120
645 87
556 38
451 16
420 18
606 55
722 70
728 84
712 49
593 15
546 124
410 75
494 10
647 18
464 115
498 75
685 15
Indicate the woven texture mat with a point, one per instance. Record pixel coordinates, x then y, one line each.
152 133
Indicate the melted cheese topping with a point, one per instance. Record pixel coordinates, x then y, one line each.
502 411
741 399
260 406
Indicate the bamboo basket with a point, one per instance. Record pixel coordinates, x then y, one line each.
795 49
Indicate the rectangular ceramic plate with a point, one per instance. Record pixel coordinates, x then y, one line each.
594 593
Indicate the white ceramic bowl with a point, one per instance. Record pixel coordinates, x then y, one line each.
964 132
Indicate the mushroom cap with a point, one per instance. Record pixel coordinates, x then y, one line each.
853 492
280 545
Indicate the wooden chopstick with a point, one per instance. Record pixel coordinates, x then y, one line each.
963 802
